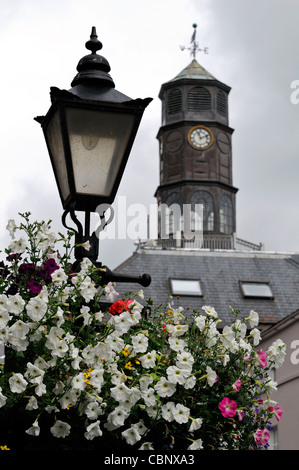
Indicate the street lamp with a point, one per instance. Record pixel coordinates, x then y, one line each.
89 131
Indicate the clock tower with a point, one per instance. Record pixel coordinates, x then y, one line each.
195 152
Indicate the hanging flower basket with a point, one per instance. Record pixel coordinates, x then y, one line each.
77 377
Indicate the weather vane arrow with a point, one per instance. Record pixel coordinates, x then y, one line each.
194 47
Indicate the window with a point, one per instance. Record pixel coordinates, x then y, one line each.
273 442
204 198
226 215
221 103
199 99
261 290
174 101
186 287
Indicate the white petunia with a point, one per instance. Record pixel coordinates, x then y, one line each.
11 227
211 376
196 445
167 411
181 413
256 335
177 344
140 343
131 435
210 311
239 328
93 410
123 322
115 342
17 383
185 360
34 430
93 430
18 344
148 360
276 353
2 398
15 304
36 308
96 378
18 246
59 276
195 424
165 388
19 329
60 429
177 330
190 382
253 318
60 348
87 318
87 289
146 446
120 392
117 418
132 398
227 335
32 404
149 397
33 374
177 375
145 381
78 382
200 322
4 317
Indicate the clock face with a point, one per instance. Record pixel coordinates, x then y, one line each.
200 137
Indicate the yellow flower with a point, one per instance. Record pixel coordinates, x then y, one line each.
4 447
126 352
128 365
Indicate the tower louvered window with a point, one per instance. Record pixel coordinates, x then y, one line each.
221 103
174 101
199 99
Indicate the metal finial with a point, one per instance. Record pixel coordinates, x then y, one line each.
194 48
93 44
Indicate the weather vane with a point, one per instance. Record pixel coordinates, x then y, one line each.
194 48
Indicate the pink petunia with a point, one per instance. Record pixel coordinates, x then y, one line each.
262 358
261 436
240 414
277 412
227 407
237 385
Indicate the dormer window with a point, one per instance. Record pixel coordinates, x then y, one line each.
259 290
189 287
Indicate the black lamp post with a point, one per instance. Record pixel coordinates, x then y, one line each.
89 132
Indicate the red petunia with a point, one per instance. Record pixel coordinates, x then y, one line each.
120 306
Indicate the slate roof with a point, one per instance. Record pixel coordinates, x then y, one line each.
219 273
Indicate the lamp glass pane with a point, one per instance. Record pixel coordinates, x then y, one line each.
98 141
54 140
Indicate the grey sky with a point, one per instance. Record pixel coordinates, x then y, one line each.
253 47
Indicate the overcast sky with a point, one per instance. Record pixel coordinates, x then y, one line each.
253 47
